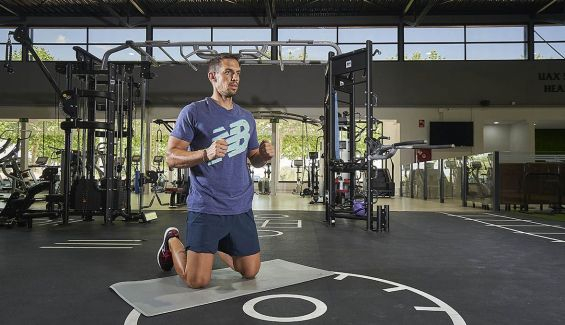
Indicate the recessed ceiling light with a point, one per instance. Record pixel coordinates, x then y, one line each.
496 122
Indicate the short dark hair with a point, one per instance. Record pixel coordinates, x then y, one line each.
214 63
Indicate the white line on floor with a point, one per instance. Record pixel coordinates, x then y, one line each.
104 240
518 225
529 221
83 247
100 244
429 308
553 240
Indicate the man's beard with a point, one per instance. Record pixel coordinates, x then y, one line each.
229 93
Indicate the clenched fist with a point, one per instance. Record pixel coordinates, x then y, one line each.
266 150
217 149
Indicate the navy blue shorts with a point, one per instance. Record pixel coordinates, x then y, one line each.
235 235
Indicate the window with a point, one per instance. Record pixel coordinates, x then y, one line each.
309 53
495 43
434 43
549 42
179 35
264 132
240 34
104 39
384 39
297 139
16 47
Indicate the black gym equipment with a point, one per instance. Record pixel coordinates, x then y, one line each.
92 86
179 189
344 73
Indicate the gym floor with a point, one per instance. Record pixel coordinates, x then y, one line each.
465 266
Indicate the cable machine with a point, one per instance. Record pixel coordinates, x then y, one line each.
344 74
90 88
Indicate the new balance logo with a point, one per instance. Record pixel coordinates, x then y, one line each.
237 138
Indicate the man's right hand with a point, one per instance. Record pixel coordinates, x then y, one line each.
217 149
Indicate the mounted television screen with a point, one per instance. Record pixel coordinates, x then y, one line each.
458 133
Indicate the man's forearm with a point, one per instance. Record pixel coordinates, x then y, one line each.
178 158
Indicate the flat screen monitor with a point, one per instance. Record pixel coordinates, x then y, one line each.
458 133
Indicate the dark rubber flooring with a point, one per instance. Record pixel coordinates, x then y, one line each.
485 274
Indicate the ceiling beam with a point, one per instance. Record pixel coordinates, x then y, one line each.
113 13
137 7
424 12
408 5
8 10
551 2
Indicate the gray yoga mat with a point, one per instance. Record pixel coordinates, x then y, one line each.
164 295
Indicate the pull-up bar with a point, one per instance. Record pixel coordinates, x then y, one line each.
206 51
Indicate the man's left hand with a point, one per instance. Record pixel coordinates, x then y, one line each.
266 150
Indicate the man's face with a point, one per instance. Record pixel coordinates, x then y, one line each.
226 79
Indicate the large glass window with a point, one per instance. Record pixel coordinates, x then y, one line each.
495 34
264 132
493 51
297 139
16 48
434 43
240 34
549 42
384 39
103 39
309 53
179 35
496 42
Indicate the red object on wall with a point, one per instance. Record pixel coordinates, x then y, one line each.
421 123
423 155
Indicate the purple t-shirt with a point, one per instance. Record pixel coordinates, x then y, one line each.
222 186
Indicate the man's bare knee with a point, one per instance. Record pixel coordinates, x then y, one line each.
249 273
197 282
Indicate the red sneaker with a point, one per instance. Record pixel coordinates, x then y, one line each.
164 255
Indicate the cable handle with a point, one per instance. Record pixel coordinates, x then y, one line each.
8 55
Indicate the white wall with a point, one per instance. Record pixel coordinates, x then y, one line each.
497 137
522 138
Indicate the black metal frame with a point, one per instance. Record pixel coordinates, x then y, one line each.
341 77
82 82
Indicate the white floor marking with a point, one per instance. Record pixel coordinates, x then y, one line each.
549 233
84 247
321 307
132 318
264 224
518 225
103 240
506 226
276 233
340 276
428 308
271 216
495 220
249 309
99 244
529 221
96 244
441 306
393 289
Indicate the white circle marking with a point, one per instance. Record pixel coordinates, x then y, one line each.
249 309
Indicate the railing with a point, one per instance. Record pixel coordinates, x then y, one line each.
490 180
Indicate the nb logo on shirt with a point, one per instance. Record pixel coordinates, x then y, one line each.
237 138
